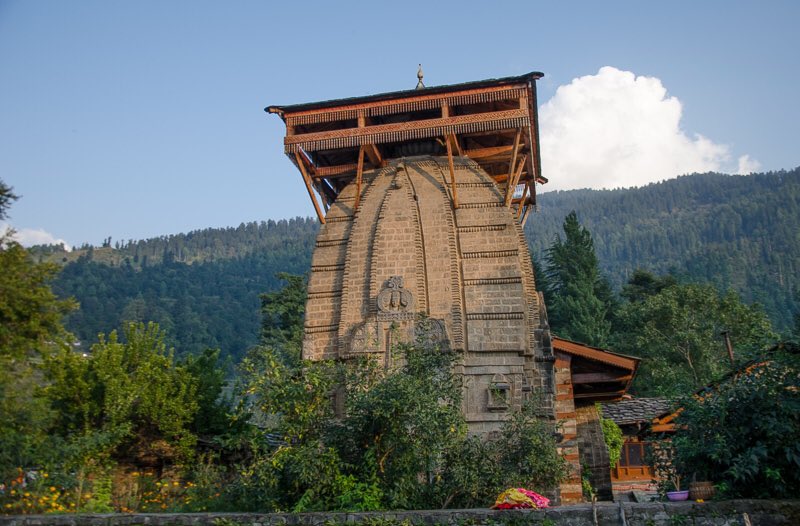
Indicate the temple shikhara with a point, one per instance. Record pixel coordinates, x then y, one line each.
422 195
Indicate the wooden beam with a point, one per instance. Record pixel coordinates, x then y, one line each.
318 185
347 137
324 172
608 394
525 216
533 134
522 201
599 378
512 183
456 146
359 172
514 151
302 165
374 155
482 153
452 172
662 428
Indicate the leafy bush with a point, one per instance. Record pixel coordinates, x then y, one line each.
742 433
613 437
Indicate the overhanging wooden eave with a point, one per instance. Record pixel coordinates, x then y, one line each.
491 122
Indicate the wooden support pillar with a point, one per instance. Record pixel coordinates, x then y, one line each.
522 201
525 215
374 155
320 187
452 171
511 185
359 173
302 165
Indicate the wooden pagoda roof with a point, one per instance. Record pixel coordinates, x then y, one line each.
494 122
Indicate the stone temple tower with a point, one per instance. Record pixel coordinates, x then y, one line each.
422 195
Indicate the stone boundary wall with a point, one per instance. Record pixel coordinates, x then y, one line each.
717 513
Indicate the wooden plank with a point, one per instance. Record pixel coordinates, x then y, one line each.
514 152
533 134
482 153
338 170
609 394
359 172
302 165
456 146
374 155
318 185
661 428
522 200
592 378
512 184
525 216
452 173
400 127
410 100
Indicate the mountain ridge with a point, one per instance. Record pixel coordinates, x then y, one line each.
737 232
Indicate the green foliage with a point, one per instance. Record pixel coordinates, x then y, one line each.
643 284
282 314
7 197
30 329
127 400
579 300
398 422
211 418
523 454
398 443
676 332
735 232
205 295
614 439
742 432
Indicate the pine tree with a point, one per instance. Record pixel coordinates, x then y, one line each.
581 301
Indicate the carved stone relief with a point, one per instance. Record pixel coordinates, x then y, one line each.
395 303
364 338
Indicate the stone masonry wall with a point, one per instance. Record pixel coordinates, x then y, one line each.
407 252
722 513
594 452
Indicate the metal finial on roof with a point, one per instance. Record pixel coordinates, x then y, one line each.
420 84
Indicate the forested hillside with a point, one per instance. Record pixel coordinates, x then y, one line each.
202 287
739 232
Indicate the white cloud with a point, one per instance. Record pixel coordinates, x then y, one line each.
28 237
615 129
748 165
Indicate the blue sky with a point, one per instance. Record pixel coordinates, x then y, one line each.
145 118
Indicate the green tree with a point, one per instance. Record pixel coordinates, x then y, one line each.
398 423
741 433
282 315
131 393
396 440
7 197
30 330
643 284
677 331
579 299
212 416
